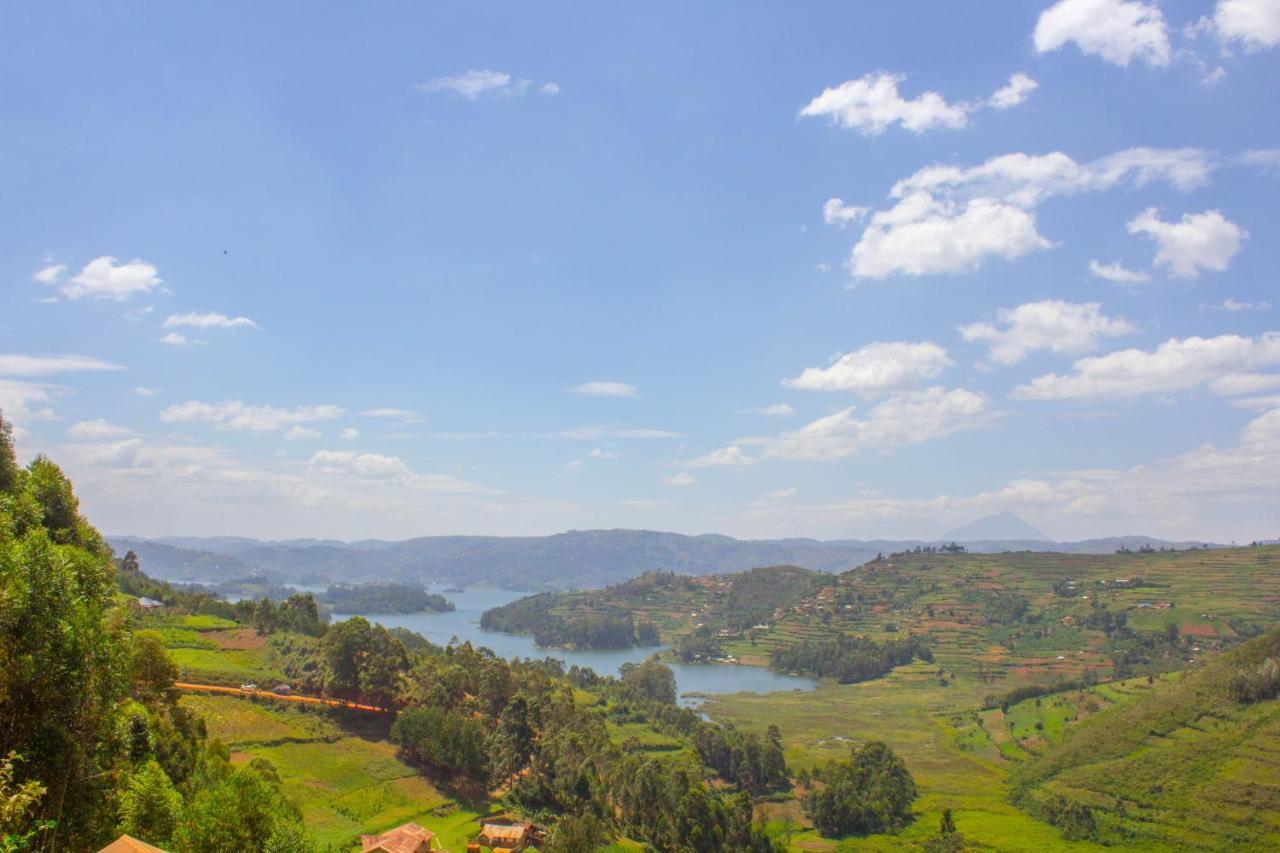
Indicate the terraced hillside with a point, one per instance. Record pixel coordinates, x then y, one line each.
1194 764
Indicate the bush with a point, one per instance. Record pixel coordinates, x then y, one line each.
872 792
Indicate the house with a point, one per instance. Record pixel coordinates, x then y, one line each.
514 836
409 838
129 844
148 603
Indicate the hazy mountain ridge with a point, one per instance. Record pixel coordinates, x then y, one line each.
580 559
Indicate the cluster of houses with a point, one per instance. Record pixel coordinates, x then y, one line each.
409 838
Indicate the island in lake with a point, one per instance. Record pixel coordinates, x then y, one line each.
383 598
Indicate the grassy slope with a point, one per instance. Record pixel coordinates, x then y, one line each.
1186 766
346 779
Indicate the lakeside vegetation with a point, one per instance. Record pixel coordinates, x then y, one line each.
371 598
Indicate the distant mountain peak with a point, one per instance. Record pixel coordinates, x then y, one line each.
1002 525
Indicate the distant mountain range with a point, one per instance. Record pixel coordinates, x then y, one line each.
578 559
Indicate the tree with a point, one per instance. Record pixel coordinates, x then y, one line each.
345 646
583 833
17 801
240 808
9 470
150 807
650 680
154 672
870 793
947 840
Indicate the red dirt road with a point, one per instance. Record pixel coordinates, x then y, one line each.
267 694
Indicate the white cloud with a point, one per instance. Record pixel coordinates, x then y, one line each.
732 456
684 478
871 105
905 418
473 85
26 401
135 314
235 415
1266 159
107 278
1013 93
836 212
50 274
144 391
176 339
1235 306
1118 31
951 219
97 429
780 410
822 268
349 434
924 236
1253 23
346 462
1175 365
551 88
875 367
1117 272
301 433
1051 324
403 415
598 453
36 365
604 389
1199 241
210 320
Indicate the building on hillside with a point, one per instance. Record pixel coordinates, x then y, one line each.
504 836
129 844
409 838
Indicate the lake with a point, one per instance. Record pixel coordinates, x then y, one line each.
464 624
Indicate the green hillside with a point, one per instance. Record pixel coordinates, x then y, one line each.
1193 764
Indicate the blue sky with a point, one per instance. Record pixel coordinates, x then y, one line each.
846 270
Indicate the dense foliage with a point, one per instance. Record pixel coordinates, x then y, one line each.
384 598
849 659
94 738
755 595
872 792
608 629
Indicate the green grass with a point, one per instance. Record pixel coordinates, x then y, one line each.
345 784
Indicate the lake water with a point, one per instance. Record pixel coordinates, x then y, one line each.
464 624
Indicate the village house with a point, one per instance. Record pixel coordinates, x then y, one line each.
129 844
409 838
503 836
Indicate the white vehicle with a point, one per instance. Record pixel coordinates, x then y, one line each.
249 687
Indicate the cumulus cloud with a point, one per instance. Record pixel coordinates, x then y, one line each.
732 456
1118 273
475 84
596 433
779 410
144 391
1266 159
301 433
952 219
872 104
27 401
210 320
236 415
600 453
876 367
905 418
97 429
1255 24
103 278
175 339
1235 306
349 434
684 478
551 88
1175 365
836 212
1051 324
1013 93
1118 31
1198 241
37 365
923 236
350 463
605 389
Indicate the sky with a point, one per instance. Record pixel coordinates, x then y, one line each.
762 269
